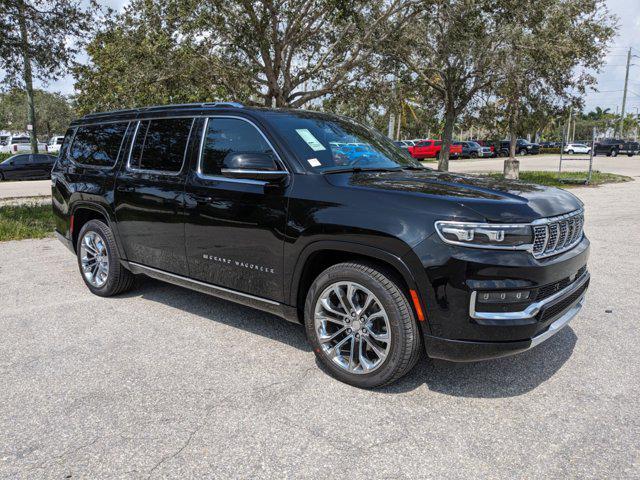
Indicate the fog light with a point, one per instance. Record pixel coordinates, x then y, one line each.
513 296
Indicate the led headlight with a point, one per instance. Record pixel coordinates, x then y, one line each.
486 235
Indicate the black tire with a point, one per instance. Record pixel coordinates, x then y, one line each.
474 155
522 152
614 152
1 177
119 279
570 152
629 154
405 345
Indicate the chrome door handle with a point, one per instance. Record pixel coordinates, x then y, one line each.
202 199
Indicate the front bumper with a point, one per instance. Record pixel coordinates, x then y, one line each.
571 300
456 330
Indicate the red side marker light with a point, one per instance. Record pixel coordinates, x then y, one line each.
416 304
71 225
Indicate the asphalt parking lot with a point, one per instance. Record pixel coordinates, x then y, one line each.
165 382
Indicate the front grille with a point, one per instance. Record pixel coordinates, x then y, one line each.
553 288
558 308
557 234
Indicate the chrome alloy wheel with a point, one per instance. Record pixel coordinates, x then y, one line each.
352 327
94 259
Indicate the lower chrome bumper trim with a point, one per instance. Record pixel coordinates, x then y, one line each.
559 324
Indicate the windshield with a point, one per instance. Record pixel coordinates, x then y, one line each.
328 143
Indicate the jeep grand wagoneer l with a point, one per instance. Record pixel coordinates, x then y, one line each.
322 221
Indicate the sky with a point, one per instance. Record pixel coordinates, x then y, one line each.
610 78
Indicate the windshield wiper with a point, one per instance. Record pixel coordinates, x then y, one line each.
414 167
361 169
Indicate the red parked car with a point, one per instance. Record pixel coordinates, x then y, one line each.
431 149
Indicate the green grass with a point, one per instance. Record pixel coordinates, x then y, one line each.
18 222
566 179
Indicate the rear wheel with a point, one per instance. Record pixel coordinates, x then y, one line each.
522 152
570 152
99 261
361 326
614 152
474 155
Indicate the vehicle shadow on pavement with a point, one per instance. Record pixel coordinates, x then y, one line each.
503 377
221 311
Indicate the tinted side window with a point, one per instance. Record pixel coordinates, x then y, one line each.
229 135
97 145
21 160
43 158
160 144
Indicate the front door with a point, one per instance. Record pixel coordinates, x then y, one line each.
149 194
234 228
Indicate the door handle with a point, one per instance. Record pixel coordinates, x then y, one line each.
125 189
202 199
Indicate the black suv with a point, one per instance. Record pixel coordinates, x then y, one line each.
27 166
523 147
322 221
612 147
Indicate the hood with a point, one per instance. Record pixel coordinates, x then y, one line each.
496 200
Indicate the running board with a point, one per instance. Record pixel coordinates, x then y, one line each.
285 311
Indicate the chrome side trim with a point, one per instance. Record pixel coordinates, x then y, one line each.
559 324
529 312
144 268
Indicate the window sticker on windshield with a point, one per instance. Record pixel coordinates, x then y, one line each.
314 162
312 141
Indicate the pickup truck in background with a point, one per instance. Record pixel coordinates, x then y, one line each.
612 147
431 149
20 143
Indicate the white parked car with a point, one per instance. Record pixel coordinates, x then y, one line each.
20 143
54 144
576 148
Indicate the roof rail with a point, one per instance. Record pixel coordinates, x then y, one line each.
224 104
161 107
112 112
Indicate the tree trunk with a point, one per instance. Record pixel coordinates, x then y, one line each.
511 165
28 77
449 121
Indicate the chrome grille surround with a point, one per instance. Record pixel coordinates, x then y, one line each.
555 235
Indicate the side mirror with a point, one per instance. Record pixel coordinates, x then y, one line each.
252 166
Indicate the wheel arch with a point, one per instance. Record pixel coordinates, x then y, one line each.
320 255
83 212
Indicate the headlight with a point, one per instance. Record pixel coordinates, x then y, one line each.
486 235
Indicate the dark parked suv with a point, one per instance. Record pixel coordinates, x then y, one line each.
377 256
612 147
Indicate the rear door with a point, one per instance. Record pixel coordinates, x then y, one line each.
19 168
235 227
149 194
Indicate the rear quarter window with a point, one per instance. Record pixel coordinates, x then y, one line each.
97 145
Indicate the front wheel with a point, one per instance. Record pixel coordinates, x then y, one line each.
361 325
570 152
614 153
522 152
99 261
